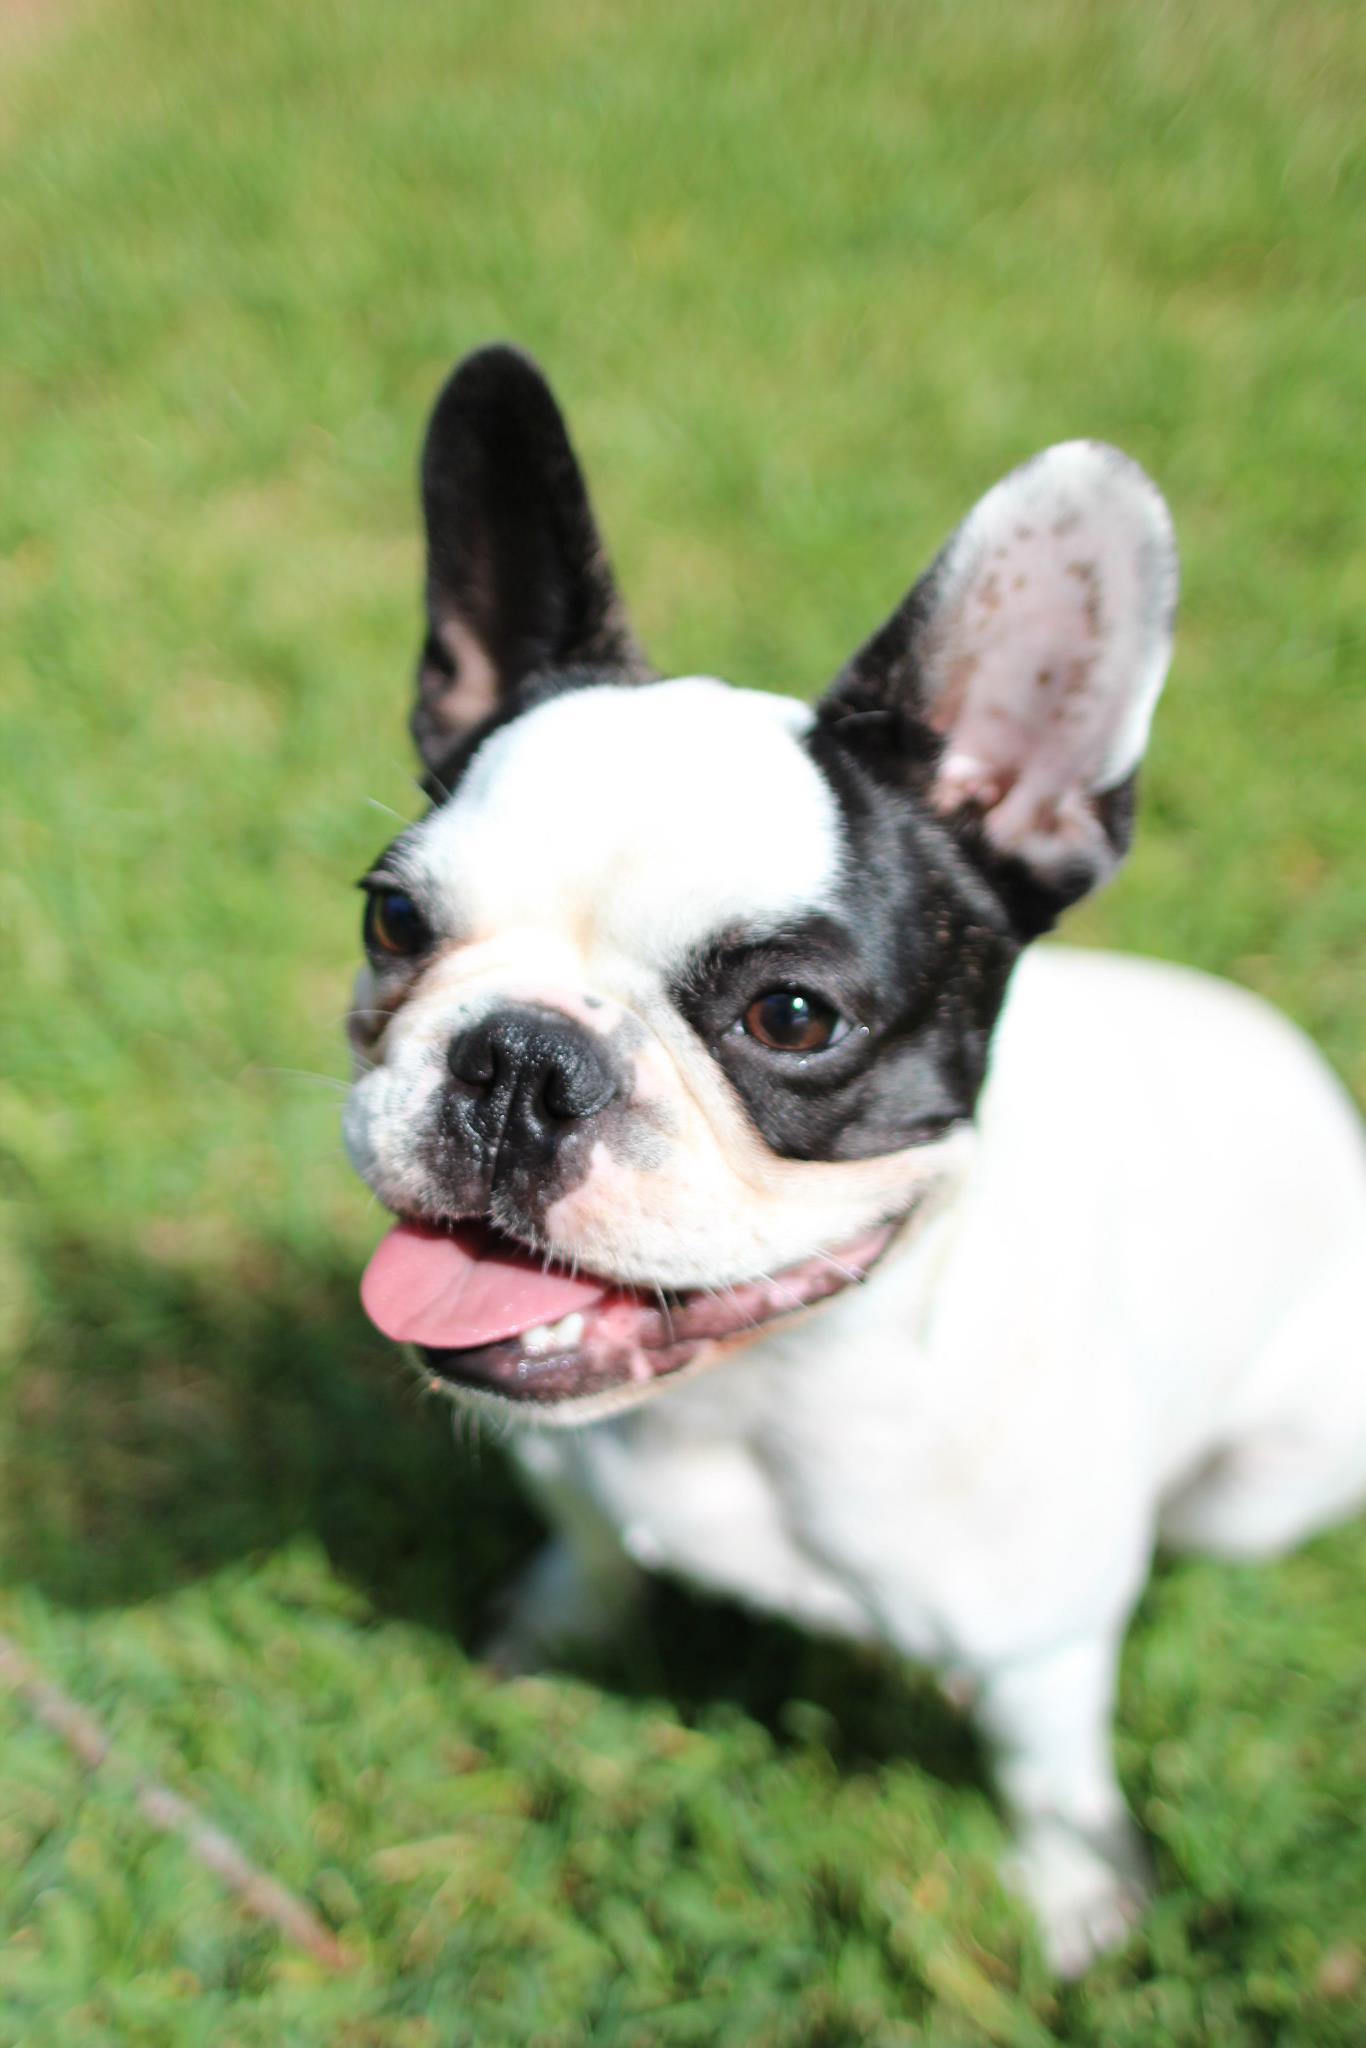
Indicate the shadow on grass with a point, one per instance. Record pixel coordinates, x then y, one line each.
165 1422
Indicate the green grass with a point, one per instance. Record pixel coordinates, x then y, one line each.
809 278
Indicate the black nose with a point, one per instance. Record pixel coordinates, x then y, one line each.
524 1078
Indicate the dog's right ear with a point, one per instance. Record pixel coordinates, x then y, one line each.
518 584
1012 690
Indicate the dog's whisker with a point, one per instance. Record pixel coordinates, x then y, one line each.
302 1074
664 1311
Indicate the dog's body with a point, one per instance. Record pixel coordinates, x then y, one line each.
694 989
970 1454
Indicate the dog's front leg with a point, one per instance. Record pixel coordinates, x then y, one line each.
1078 1857
580 1587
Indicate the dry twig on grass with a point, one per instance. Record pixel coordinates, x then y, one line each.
260 1893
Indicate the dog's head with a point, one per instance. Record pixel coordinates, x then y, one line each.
678 1000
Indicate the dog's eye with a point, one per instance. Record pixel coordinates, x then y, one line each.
394 924
794 1020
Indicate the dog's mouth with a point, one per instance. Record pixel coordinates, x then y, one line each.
489 1314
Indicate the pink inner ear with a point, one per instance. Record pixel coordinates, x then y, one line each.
458 703
1047 647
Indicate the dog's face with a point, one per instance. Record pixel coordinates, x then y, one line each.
678 1000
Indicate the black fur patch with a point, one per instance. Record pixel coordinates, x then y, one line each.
515 563
915 952
878 709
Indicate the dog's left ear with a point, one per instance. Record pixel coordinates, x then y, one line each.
518 583
1013 688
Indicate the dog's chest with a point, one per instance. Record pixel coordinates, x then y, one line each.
692 1494
745 1495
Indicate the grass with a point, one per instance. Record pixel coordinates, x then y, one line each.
809 279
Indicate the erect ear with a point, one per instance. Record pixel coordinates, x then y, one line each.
1014 687
517 581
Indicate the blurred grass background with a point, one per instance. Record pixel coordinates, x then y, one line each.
808 279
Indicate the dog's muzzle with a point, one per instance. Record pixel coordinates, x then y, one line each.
492 1316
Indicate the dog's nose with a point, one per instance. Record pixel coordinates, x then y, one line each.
524 1077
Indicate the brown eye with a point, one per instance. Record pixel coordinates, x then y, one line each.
792 1020
394 924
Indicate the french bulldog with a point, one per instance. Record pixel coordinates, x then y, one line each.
819 1242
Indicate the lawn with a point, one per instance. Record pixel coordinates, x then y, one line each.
808 279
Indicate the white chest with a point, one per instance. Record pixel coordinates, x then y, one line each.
734 1486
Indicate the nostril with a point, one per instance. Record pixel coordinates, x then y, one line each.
473 1059
567 1094
574 1087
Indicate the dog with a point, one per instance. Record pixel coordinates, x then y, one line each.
825 1243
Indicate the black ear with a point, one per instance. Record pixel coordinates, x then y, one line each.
1014 687
517 581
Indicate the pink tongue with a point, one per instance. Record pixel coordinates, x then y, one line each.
456 1287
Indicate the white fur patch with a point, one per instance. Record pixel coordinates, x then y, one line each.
637 822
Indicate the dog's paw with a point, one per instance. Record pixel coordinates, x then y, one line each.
1087 1889
554 1611
510 1651
537 1617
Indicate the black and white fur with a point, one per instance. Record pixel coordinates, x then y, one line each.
1127 1286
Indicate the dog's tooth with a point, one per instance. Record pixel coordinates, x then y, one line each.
548 1337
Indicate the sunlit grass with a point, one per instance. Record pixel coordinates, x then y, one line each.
808 279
